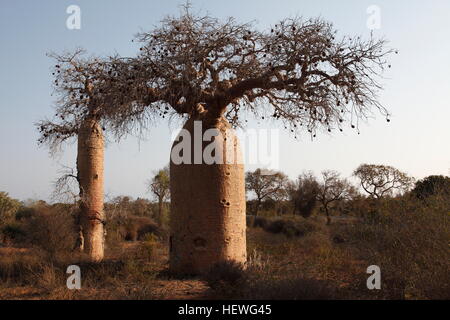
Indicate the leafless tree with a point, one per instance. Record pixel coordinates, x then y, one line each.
381 180
333 189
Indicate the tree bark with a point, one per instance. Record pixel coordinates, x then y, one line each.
90 177
208 222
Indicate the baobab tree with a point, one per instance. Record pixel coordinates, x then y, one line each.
213 72
86 89
381 180
160 187
265 185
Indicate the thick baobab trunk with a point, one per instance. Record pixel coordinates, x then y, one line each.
90 178
207 213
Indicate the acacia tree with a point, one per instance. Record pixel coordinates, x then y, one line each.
212 72
159 186
380 180
333 189
86 88
265 185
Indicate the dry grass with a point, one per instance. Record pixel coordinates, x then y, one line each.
408 240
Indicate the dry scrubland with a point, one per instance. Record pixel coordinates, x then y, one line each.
290 257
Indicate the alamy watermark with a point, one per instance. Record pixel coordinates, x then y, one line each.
212 146
374 281
374 19
74 280
73 21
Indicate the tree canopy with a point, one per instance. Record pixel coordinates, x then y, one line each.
382 180
298 71
89 87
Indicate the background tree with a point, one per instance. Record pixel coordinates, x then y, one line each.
160 187
380 180
265 185
432 186
303 194
8 207
333 189
211 71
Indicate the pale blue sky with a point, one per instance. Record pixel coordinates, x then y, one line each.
417 88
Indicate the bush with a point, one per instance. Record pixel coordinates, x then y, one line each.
260 222
25 213
259 281
225 275
12 232
408 239
290 228
432 186
25 267
135 228
53 231
148 246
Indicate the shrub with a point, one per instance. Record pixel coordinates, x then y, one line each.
260 222
277 226
25 267
148 246
408 239
290 228
225 276
12 232
432 186
25 213
52 231
136 228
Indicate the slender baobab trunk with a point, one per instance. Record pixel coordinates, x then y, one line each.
208 221
90 178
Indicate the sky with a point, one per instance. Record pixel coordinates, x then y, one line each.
416 88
